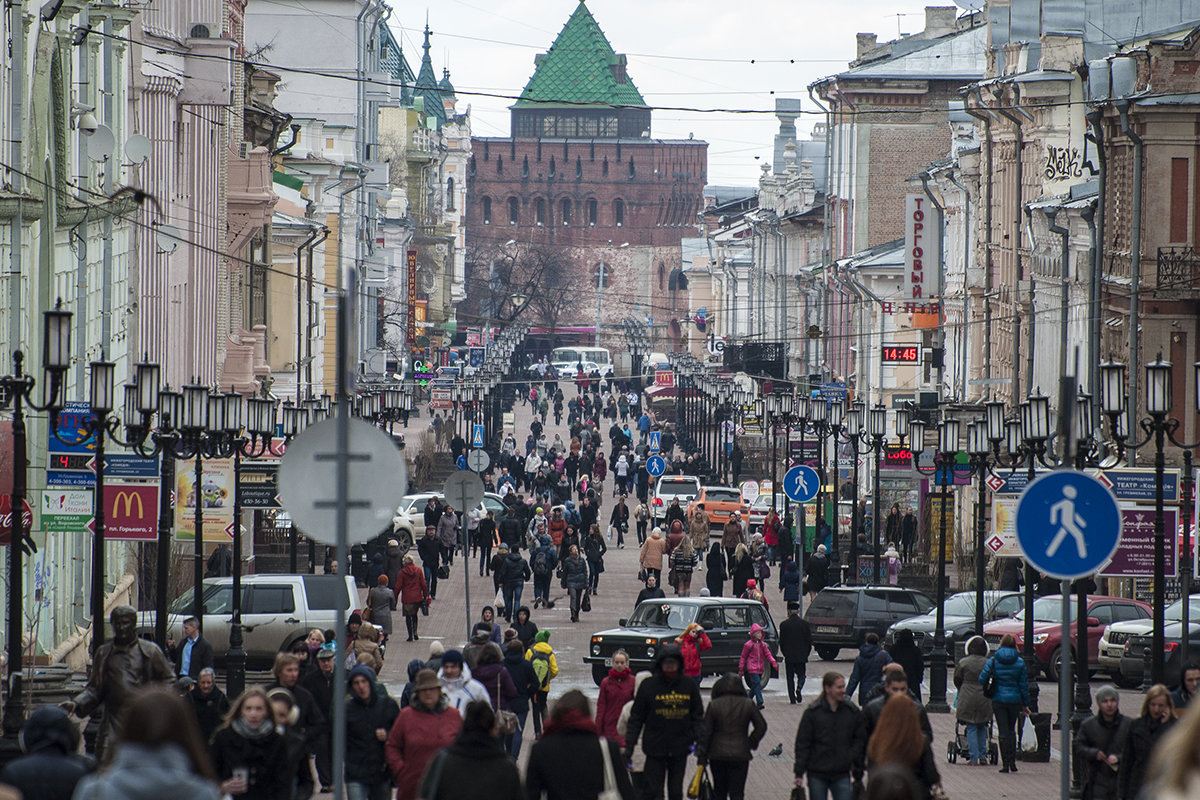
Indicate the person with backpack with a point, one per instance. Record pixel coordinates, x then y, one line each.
868 668
641 516
526 682
754 593
542 563
545 665
514 571
753 662
594 548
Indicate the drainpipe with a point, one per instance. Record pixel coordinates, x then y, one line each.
112 166
16 124
295 137
311 327
966 261
1088 213
314 232
1135 264
986 118
80 242
1032 316
941 295
1096 226
1064 276
1018 208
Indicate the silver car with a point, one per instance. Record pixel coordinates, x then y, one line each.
1112 643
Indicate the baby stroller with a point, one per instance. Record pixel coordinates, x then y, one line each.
958 748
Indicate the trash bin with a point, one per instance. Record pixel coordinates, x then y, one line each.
1041 726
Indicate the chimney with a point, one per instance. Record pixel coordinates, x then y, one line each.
940 20
865 43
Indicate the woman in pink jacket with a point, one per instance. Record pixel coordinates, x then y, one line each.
753 663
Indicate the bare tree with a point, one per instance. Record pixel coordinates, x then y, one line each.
514 281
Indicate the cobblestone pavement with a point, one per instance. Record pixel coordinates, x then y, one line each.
769 777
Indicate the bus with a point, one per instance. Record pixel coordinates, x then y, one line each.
566 360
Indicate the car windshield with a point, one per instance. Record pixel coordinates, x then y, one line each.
652 614
722 495
1175 610
675 488
1047 609
961 605
409 502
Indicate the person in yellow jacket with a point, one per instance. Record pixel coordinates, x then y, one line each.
545 665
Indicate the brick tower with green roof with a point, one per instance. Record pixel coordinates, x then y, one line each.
581 175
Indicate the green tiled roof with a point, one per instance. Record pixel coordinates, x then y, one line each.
579 68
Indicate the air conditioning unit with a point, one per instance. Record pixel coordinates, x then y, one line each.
204 30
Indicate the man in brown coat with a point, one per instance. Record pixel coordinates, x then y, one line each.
733 534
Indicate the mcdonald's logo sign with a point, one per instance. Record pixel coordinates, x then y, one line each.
131 511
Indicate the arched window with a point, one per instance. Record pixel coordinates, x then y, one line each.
514 210
487 211
591 211
449 194
499 165
662 277
619 212
632 173
553 169
565 211
539 211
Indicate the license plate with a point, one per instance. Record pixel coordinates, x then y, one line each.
608 662
827 629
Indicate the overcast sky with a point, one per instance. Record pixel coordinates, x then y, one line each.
682 54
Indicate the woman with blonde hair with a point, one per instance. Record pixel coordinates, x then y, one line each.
1175 766
1158 716
898 741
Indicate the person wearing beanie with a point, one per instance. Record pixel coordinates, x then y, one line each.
436 650
795 645
974 708
545 664
50 766
1100 743
460 688
353 623
667 718
420 732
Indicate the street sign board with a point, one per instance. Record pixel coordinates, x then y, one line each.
71 479
130 465
1135 555
664 377
131 511
66 510
1068 524
478 460
655 441
655 466
308 479
463 490
801 483
751 490
1138 484
1014 483
477 436
72 426
258 486
440 398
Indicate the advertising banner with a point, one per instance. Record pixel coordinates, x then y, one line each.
131 511
66 510
1135 554
215 496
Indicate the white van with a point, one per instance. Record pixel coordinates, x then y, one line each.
566 360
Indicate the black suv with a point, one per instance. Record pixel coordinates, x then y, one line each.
842 616
656 623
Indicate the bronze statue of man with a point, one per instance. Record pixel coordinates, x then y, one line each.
118 669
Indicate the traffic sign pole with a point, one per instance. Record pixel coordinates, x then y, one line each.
464 490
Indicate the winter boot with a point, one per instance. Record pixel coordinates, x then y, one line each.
1006 752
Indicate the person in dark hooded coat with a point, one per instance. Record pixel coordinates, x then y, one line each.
368 713
905 652
715 576
50 767
414 666
525 627
475 766
667 717
733 726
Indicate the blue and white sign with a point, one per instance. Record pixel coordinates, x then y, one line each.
477 436
655 441
656 465
1138 484
801 483
130 465
1068 524
73 423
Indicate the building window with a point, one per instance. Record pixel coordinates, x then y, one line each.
591 211
525 167
631 170
604 167
578 167
539 211
449 194
487 211
566 212
619 212
499 165
662 277
1179 199
514 210
553 169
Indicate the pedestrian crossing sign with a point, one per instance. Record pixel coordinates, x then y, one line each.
655 441
477 437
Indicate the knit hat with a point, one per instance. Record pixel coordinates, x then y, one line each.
1105 692
452 657
750 584
436 649
510 634
793 605
542 636
355 619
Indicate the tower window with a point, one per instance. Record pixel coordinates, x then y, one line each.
487 211
553 169
539 211
449 194
514 210
619 212
604 167
591 211
525 167
631 170
499 165
566 212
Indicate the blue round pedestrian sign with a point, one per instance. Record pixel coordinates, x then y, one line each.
656 465
1068 524
801 483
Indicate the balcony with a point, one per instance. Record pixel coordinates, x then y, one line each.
1178 267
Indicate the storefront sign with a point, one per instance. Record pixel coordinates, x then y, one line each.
66 510
410 327
215 495
1135 554
131 511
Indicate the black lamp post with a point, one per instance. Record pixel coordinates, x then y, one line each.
17 389
819 420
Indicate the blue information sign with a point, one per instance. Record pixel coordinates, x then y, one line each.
477 437
801 483
656 465
1068 524
655 441
72 427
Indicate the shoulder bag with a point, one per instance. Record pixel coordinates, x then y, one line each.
506 721
989 688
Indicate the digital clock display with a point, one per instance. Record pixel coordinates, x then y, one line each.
901 354
70 461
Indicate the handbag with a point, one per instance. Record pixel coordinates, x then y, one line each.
443 572
506 721
989 688
586 603
610 791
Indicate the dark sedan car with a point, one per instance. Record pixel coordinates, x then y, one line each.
656 623
1133 662
959 618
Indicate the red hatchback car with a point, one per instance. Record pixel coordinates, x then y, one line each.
1047 627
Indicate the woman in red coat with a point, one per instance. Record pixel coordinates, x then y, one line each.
425 726
412 592
692 642
615 691
770 532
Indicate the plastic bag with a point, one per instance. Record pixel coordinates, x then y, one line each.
694 788
1029 743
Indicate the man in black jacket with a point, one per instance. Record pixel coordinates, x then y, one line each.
209 702
652 592
511 530
588 514
429 549
894 682
319 683
795 645
668 715
1100 742
370 714
50 766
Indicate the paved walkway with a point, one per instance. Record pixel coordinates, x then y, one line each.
769 777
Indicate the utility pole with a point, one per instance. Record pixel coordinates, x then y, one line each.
599 303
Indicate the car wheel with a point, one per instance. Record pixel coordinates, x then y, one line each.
599 673
1054 668
1125 683
828 652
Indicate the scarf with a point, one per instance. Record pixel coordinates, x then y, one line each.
264 729
571 721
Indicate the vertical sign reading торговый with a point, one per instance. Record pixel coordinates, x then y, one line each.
411 311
